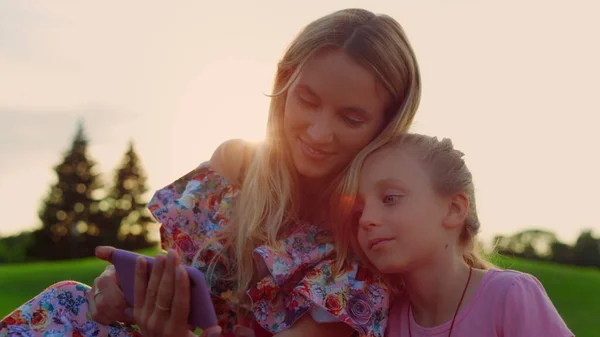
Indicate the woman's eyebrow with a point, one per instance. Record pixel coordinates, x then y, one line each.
351 108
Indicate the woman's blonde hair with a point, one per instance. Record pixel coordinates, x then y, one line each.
450 176
268 202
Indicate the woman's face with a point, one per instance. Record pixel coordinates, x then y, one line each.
334 108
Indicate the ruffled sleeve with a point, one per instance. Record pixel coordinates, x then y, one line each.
297 280
191 210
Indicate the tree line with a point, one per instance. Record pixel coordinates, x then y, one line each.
542 245
78 213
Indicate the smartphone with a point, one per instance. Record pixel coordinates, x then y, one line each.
202 313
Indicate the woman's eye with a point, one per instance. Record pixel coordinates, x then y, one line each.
305 101
353 122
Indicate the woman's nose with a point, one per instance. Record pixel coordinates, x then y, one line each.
320 131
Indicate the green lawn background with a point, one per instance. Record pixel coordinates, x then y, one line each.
574 291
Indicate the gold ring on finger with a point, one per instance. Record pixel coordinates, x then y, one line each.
160 307
96 293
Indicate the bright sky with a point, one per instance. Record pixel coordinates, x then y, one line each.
514 83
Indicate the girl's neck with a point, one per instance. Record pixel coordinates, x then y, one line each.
435 290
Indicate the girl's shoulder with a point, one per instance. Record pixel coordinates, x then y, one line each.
297 277
505 280
503 283
522 305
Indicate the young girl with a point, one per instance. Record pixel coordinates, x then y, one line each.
257 220
417 225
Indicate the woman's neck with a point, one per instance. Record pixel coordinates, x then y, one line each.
313 199
435 290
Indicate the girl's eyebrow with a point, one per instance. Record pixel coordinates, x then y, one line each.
390 182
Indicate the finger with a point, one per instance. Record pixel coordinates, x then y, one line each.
181 302
110 271
108 304
213 331
154 283
129 318
139 292
111 303
111 296
242 331
92 302
167 283
107 284
104 252
96 314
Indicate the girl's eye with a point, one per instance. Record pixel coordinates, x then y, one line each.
390 199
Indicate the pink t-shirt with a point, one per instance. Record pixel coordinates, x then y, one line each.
506 303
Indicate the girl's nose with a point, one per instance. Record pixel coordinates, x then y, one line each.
369 219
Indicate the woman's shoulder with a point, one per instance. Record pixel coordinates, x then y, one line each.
198 189
195 206
231 158
208 190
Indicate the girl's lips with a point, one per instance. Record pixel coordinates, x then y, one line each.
374 243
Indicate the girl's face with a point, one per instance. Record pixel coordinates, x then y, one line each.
402 220
334 108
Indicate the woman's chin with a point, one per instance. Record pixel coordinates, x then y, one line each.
312 172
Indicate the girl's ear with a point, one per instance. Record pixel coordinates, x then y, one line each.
458 210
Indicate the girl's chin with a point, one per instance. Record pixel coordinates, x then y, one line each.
392 267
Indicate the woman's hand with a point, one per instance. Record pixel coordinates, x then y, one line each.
306 326
162 304
242 331
106 301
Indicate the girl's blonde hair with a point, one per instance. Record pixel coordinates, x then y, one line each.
449 175
268 202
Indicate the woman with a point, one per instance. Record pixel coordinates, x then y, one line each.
260 225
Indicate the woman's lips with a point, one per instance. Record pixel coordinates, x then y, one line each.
313 152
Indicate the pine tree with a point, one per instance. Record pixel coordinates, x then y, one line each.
69 214
128 218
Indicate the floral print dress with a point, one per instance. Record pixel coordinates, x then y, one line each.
295 277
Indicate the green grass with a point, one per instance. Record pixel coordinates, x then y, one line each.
574 291
20 282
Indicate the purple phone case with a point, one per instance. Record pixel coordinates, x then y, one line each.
202 313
